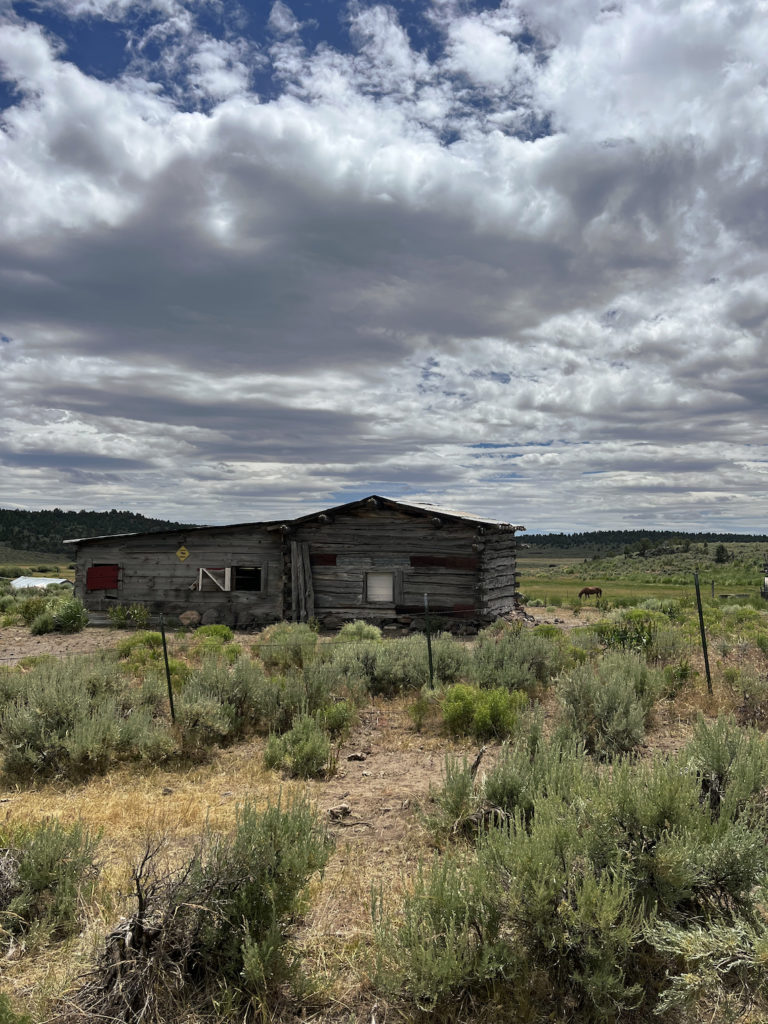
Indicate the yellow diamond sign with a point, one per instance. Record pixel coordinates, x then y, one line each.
182 554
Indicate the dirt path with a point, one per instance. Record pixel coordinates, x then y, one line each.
16 642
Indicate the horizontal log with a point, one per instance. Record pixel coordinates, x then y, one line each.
445 561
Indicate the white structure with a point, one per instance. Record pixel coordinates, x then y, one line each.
25 582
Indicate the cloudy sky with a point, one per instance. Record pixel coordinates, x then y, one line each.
258 258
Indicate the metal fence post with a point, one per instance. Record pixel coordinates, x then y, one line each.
703 634
167 669
429 640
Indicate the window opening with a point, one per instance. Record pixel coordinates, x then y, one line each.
246 577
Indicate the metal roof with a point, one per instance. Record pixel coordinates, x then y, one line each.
407 506
413 506
25 582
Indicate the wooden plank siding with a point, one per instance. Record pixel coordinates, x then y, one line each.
152 574
317 566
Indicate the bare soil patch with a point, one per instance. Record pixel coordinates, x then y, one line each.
16 642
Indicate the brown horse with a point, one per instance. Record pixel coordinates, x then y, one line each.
591 592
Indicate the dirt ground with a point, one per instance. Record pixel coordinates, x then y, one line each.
384 773
16 642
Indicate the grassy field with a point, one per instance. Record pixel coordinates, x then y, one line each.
557 577
34 563
604 861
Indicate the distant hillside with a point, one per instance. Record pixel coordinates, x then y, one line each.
618 541
46 530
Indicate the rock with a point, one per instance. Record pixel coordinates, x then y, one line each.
334 621
211 617
190 618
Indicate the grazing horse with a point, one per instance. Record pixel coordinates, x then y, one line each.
591 592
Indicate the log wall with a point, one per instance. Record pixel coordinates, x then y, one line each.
465 574
498 576
316 568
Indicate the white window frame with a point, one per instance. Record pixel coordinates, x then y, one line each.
380 572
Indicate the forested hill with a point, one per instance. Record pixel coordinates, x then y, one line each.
617 541
46 530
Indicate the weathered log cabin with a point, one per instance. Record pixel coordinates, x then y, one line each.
372 559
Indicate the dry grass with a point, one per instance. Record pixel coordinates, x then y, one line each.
377 848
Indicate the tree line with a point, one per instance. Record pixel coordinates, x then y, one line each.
46 530
634 540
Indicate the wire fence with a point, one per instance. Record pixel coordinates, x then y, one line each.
178 645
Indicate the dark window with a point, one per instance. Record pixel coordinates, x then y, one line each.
102 577
246 577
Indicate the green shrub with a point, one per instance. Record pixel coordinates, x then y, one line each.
643 631
452 803
450 659
118 616
32 606
385 668
146 640
138 616
359 630
579 876
448 943
606 704
751 688
399 665
217 631
286 645
516 658
484 714
72 718
336 718
7 1015
303 752
11 572
218 702
511 783
70 616
214 933
420 709
42 624
134 616
713 961
47 871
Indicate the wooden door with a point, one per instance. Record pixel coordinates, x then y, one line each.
302 591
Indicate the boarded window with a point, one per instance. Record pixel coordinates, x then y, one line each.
234 577
380 587
214 579
246 577
102 577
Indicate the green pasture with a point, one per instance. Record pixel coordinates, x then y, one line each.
564 590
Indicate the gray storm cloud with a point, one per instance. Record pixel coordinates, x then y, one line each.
526 262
